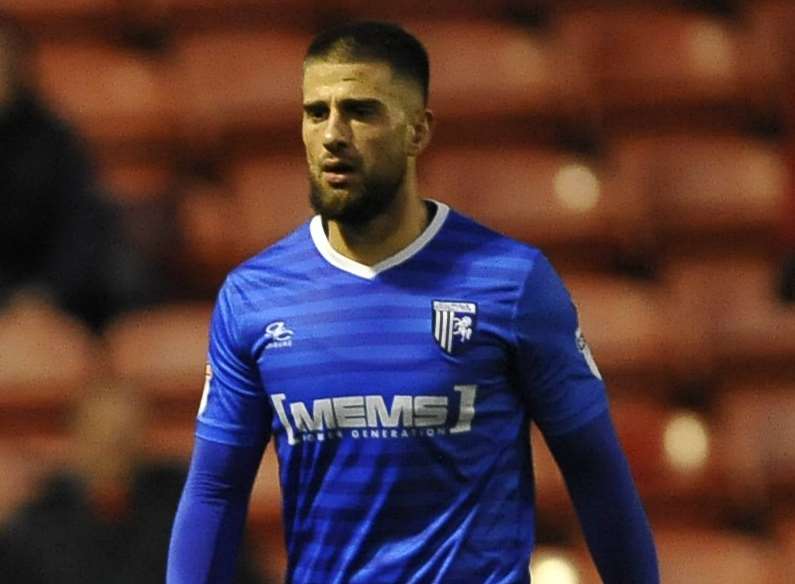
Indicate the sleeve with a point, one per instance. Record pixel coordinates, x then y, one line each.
608 506
234 408
210 520
558 377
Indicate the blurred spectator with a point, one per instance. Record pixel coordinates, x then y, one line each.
13 566
59 240
108 517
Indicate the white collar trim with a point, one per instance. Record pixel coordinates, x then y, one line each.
346 264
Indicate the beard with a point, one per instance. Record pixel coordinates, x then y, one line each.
359 206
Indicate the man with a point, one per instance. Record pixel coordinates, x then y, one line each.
106 516
397 351
60 241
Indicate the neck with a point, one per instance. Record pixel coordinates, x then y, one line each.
385 235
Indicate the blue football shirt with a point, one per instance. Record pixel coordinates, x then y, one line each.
399 398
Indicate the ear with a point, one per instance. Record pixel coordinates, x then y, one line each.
420 133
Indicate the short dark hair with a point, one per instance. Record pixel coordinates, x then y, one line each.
374 41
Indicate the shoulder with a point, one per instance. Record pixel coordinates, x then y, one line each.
489 248
519 268
272 267
269 278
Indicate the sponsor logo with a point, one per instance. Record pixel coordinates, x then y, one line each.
369 416
278 336
583 347
453 324
208 376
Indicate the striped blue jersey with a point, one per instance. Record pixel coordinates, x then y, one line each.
399 398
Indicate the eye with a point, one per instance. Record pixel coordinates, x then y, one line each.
316 113
362 110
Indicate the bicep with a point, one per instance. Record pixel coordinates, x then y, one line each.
557 375
234 409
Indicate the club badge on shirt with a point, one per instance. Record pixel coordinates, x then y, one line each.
453 323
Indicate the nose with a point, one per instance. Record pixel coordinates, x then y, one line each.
336 135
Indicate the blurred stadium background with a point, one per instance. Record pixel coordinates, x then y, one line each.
644 146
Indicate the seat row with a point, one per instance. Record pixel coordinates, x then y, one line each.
710 325
686 556
589 68
706 322
651 199
691 472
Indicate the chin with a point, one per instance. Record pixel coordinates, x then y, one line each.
354 205
332 203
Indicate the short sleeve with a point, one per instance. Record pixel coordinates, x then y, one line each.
234 407
557 374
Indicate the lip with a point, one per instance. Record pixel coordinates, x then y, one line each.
337 172
333 164
337 178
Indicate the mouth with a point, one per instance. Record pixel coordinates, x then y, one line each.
337 172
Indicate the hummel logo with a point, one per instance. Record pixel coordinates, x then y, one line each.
277 335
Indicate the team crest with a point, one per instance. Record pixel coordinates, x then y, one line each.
453 324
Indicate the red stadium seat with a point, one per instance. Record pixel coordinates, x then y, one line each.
696 556
758 420
549 198
58 11
770 33
45 359
241 82
673 454
733 308
266 497
169 441
663 60
207 220
20 473
521 74
113 95
213 12
705 187
163 351
785 531
687 555
26 460
692 315
416 9
553 504
136 180
265 515
271 199
628 328
674 458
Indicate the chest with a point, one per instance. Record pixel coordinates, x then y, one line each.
411 344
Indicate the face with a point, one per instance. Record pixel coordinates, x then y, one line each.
359 128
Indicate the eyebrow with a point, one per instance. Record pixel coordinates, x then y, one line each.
347 102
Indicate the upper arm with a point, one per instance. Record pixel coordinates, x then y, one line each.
234 408
557 375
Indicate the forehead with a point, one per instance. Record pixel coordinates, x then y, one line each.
324 80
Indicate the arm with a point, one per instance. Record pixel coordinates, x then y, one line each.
211 516
567 400
608 506
233 427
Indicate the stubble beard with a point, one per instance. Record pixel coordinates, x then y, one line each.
374 197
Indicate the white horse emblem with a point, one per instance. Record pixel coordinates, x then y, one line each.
462 327
453 323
